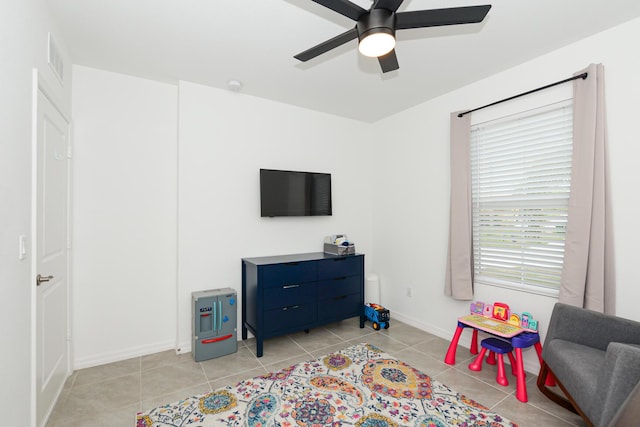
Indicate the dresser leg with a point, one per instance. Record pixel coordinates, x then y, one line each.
258 347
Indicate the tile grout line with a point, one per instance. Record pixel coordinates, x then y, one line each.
508 392
528 403
298 344
342 341
431 356
499 402
550 413
334 334
206 377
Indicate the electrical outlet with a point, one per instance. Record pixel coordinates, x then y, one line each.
409 291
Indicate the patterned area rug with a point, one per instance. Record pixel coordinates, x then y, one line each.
359 386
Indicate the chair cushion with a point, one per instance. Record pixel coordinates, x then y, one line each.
576 366
496 345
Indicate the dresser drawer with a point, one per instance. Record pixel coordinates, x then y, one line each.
340 307
291 273
339 267
289 317
339 287
288 295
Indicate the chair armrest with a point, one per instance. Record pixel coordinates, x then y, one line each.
618 376
590 328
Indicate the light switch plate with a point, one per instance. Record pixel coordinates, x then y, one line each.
22 247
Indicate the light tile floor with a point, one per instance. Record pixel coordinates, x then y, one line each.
110 395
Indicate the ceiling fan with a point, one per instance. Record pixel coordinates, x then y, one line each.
375 28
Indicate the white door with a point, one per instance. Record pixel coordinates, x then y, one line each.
51 256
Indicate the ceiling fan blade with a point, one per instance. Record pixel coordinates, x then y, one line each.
343 7
391 5
389 62
326 46
438 17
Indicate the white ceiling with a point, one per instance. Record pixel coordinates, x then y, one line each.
212 41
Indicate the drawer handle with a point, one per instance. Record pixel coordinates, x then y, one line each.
290 286
340 278
339 298
292 263
293 307
339 259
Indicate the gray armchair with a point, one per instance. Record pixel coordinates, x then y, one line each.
595 359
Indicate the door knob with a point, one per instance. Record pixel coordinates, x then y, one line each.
41 279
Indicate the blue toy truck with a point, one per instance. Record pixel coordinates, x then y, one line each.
378 315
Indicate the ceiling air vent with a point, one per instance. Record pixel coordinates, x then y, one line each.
55 60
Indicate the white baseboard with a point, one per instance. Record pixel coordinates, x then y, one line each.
432 329
184 347
123 354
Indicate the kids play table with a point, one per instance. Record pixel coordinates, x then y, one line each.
518 337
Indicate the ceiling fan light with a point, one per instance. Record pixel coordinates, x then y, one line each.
377 43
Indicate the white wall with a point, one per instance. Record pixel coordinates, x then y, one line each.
224 139
125 216
415 184
390 194
24 46
136 180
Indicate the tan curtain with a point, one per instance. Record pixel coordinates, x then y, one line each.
588 273
459 274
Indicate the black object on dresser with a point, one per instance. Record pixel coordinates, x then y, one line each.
289 293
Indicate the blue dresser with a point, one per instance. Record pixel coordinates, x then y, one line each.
290 293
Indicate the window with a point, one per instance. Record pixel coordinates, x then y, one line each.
520 177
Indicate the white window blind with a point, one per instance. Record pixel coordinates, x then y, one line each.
521 173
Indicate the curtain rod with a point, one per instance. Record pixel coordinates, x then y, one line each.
580 76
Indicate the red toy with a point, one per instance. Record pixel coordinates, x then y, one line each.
500 311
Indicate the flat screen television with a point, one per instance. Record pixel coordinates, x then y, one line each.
290 193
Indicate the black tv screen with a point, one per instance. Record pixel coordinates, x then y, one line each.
290 193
